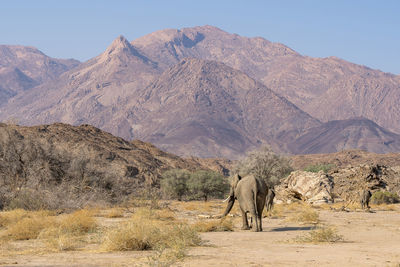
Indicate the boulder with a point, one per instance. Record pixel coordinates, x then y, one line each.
314 188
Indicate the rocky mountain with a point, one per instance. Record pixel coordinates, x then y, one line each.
92 93
341 135
326 88
205 92
208 109
22 68
65 166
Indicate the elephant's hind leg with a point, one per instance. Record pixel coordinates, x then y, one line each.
245 225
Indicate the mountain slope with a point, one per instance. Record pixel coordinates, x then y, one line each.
90 93
326 88
341 135
22 68
208 109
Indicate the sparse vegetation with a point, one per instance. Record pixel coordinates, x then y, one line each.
205 184
320 235
264 164
384 197
304 215
223 225
319 167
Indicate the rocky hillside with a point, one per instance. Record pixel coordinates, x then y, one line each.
76 165
22 68
346 158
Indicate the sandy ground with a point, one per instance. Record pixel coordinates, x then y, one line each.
370 239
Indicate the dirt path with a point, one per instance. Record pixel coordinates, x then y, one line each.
371 239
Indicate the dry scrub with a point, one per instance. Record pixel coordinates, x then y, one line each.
323 234
223 225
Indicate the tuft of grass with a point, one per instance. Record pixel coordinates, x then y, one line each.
78 222
319 167
305 215
223 225
145 234
29 227
320 235
115 213
12 216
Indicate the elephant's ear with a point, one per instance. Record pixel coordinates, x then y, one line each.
235 179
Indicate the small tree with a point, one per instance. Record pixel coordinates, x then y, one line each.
174 183
204 184
265 164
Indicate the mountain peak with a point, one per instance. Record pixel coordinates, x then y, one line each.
120 43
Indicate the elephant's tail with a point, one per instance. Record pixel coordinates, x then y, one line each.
255 198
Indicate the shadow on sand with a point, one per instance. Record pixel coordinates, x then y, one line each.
283 229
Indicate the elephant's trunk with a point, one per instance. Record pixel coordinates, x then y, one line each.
229 206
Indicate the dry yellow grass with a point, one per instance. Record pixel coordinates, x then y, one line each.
305 215
146 231
13 216
79 222
214 225
29 227
115 213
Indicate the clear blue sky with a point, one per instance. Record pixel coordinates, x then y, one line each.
361 31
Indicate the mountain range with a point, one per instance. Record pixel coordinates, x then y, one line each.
205 92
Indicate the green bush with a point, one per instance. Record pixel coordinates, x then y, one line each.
174 183
203 184
384 197
319 167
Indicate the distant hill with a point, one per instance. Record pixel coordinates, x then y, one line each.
22 68
341 135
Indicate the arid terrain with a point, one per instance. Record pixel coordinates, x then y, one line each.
359 239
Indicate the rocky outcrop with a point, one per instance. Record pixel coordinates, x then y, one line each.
350 181
314 188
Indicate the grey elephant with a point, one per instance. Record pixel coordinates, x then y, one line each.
270 199
251 193
365 197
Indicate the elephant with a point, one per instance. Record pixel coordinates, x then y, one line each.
365 197
251 193
270 199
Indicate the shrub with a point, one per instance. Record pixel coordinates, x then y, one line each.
265 164
319 167
203 184
79 222
29 200
174 183
321 235
384 197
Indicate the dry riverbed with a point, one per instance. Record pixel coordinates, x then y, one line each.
359 239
